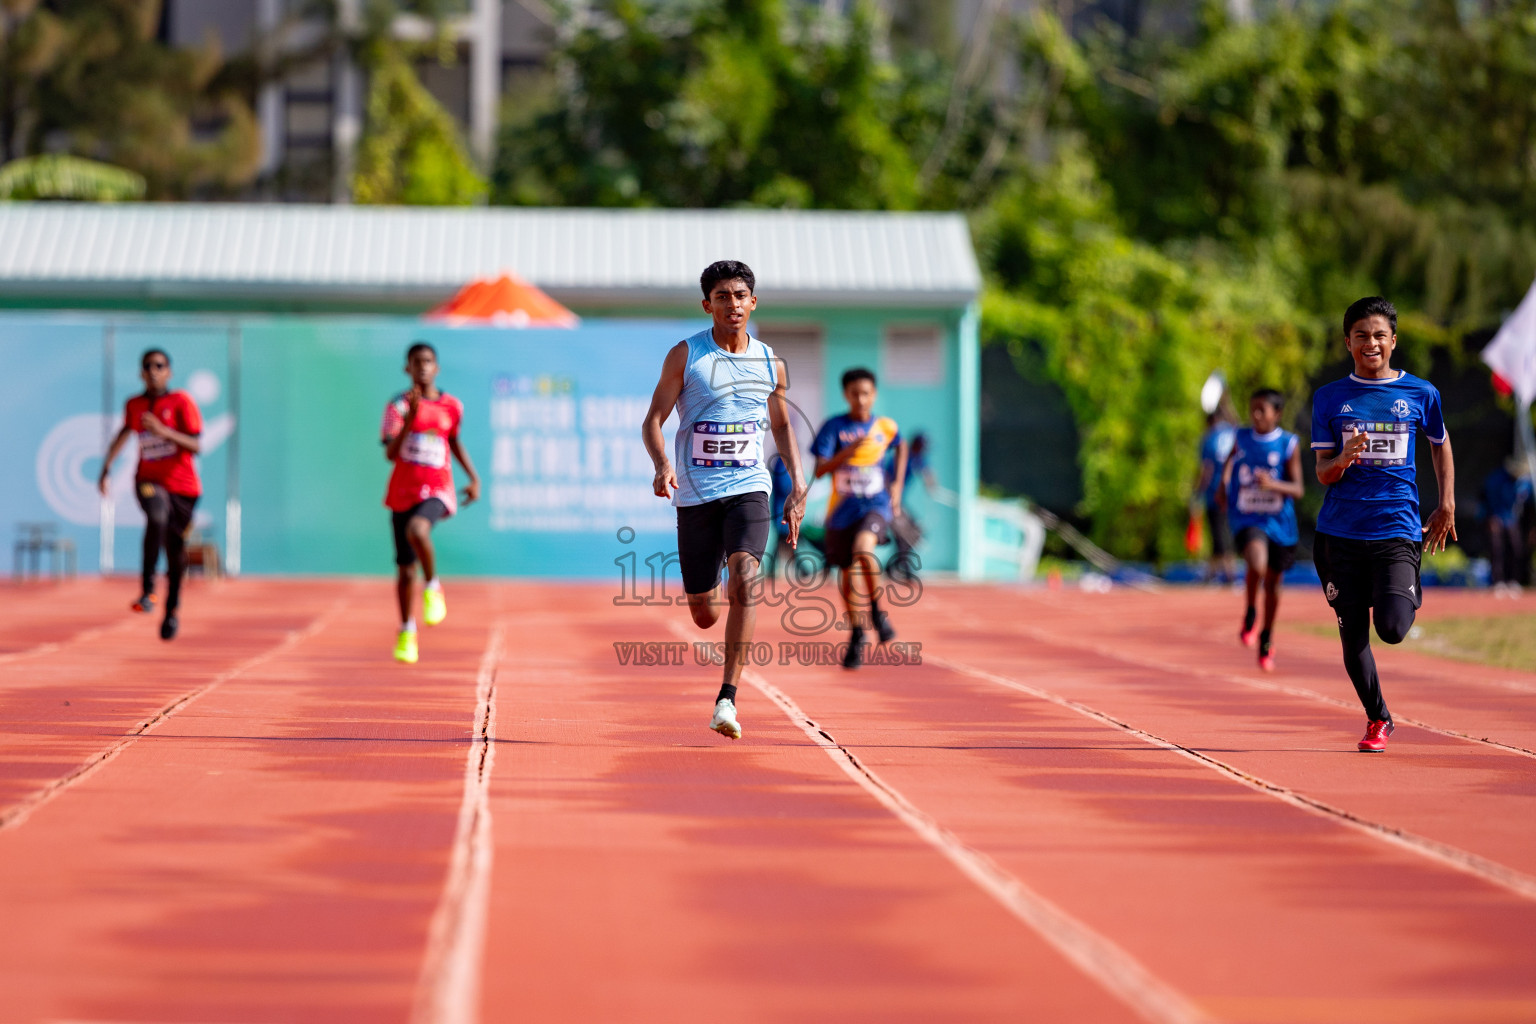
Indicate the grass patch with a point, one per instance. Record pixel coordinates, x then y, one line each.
1504 641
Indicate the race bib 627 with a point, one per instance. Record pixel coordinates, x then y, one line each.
726 445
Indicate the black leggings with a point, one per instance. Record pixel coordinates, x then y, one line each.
168 518
1394 617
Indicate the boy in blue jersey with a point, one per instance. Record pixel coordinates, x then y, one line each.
1369 535
728 389
1260 484
864 503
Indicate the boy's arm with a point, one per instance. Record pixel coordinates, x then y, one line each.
106 462
1291 486
155 425
472 491
1442 522
827 464
663 399
396 440
1330 468
1226 476
901 475
789 451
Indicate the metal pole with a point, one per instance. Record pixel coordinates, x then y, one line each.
108 511
232 460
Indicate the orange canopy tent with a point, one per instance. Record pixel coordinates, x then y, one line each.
507 301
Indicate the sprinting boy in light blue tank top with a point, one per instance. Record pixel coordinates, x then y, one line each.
728 389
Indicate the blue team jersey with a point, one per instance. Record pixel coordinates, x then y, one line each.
1377 498
1252 505
859 485
1215 446
722 414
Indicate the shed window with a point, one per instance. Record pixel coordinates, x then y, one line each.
914 355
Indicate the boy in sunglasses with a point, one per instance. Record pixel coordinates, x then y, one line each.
168 425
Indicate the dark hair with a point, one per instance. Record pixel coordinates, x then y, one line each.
420 346
727 270
1371 305
856 374
144 359
919 443
1275 399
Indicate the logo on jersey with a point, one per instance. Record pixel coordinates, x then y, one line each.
1400 409
1274 458
1333 595
1346 409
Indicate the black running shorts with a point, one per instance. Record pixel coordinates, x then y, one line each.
1281 556
710 533
1358 573
839 541
175 509
432 510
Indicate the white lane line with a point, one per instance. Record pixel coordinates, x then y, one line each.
1096 956
448 989
92 633
20 811
1442 853
1258 684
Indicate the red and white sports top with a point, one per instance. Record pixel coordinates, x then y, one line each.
423 469
162 461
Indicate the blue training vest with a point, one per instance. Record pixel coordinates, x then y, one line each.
722 415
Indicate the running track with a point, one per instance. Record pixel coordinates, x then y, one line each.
1078 808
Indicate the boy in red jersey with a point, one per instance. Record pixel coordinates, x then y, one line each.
421 427
168 425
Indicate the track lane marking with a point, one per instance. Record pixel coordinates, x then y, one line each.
1173 668
18 812
1464 861
52 646
1098 957
448 988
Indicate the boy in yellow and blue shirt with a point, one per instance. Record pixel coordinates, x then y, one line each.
852 447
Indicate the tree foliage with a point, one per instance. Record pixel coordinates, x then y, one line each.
411 151
89 77
763 102
68 177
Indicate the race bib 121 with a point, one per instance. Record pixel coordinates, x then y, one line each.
1387 444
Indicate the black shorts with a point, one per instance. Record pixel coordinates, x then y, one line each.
177 509
1281 556
839 541
432 510
1221 536
1359 573
710 533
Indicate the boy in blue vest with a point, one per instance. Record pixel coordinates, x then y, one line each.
729 389
1261 481
1369 535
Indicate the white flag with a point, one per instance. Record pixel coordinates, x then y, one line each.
1512 353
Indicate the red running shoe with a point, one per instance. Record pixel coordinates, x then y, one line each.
145 603
1375 739
1266 653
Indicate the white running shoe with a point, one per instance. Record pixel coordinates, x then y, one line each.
724 721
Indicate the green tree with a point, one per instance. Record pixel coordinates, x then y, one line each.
411 151
89 77
692 104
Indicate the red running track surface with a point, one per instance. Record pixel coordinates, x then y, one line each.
1077 807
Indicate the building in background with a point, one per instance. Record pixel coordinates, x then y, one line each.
287 283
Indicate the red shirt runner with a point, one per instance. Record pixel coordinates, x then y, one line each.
423 469
162 461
